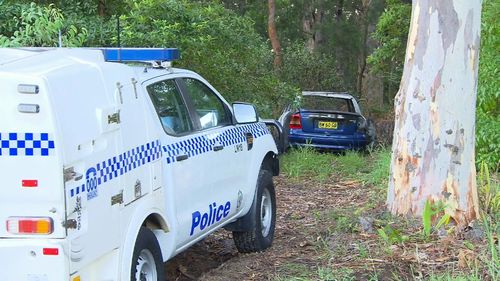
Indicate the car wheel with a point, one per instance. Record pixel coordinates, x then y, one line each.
147 264
262 235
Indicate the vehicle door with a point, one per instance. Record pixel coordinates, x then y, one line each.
228 166
188 153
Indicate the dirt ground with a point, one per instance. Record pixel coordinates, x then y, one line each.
318 227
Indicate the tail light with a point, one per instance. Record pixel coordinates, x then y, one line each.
30 225
295 122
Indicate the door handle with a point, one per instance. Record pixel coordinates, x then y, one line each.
181 157
218 147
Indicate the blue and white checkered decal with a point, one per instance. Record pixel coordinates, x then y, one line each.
201 144
134 158
26 144
121 164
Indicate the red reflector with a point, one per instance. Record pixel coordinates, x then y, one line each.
30 183
50 251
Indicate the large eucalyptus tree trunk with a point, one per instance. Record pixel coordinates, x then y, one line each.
433 146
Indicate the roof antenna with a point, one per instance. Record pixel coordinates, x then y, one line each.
60 39
118 37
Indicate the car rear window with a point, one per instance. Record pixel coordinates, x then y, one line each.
320 103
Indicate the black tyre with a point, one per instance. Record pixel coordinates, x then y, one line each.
264 215
147 263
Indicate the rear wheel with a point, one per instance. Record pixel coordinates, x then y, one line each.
264 215
147 264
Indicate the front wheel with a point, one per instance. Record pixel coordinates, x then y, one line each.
264 216
147 264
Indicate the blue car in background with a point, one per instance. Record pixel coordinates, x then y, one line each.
329 121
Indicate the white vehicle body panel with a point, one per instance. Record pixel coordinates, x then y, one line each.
97 127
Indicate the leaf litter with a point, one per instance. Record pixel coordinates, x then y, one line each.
318 229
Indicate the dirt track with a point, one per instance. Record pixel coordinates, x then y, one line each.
297 232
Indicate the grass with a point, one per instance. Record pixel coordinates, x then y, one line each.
380 163
350 162
492 229
306 163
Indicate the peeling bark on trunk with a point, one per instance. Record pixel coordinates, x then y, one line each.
273 35
433 145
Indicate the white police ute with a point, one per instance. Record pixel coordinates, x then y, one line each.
109 169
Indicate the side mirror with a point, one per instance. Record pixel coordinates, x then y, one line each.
244 113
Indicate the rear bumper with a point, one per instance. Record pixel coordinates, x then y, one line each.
24 260
331 142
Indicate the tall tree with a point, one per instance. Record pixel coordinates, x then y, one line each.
387 60
433 147
101 8
273 34
312 22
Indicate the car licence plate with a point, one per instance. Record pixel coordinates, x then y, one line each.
327 125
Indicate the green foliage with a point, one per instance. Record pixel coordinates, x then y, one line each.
310 71
427 219
101 31
489 191
37 26
431 210
391 235
215 42
339 46
391 33
488 92
83 8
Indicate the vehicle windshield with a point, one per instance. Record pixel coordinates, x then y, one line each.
322 103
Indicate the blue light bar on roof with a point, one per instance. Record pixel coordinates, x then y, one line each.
140 54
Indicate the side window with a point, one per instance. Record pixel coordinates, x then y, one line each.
209 108
170 107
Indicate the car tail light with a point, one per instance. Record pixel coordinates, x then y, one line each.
295 122
30 225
